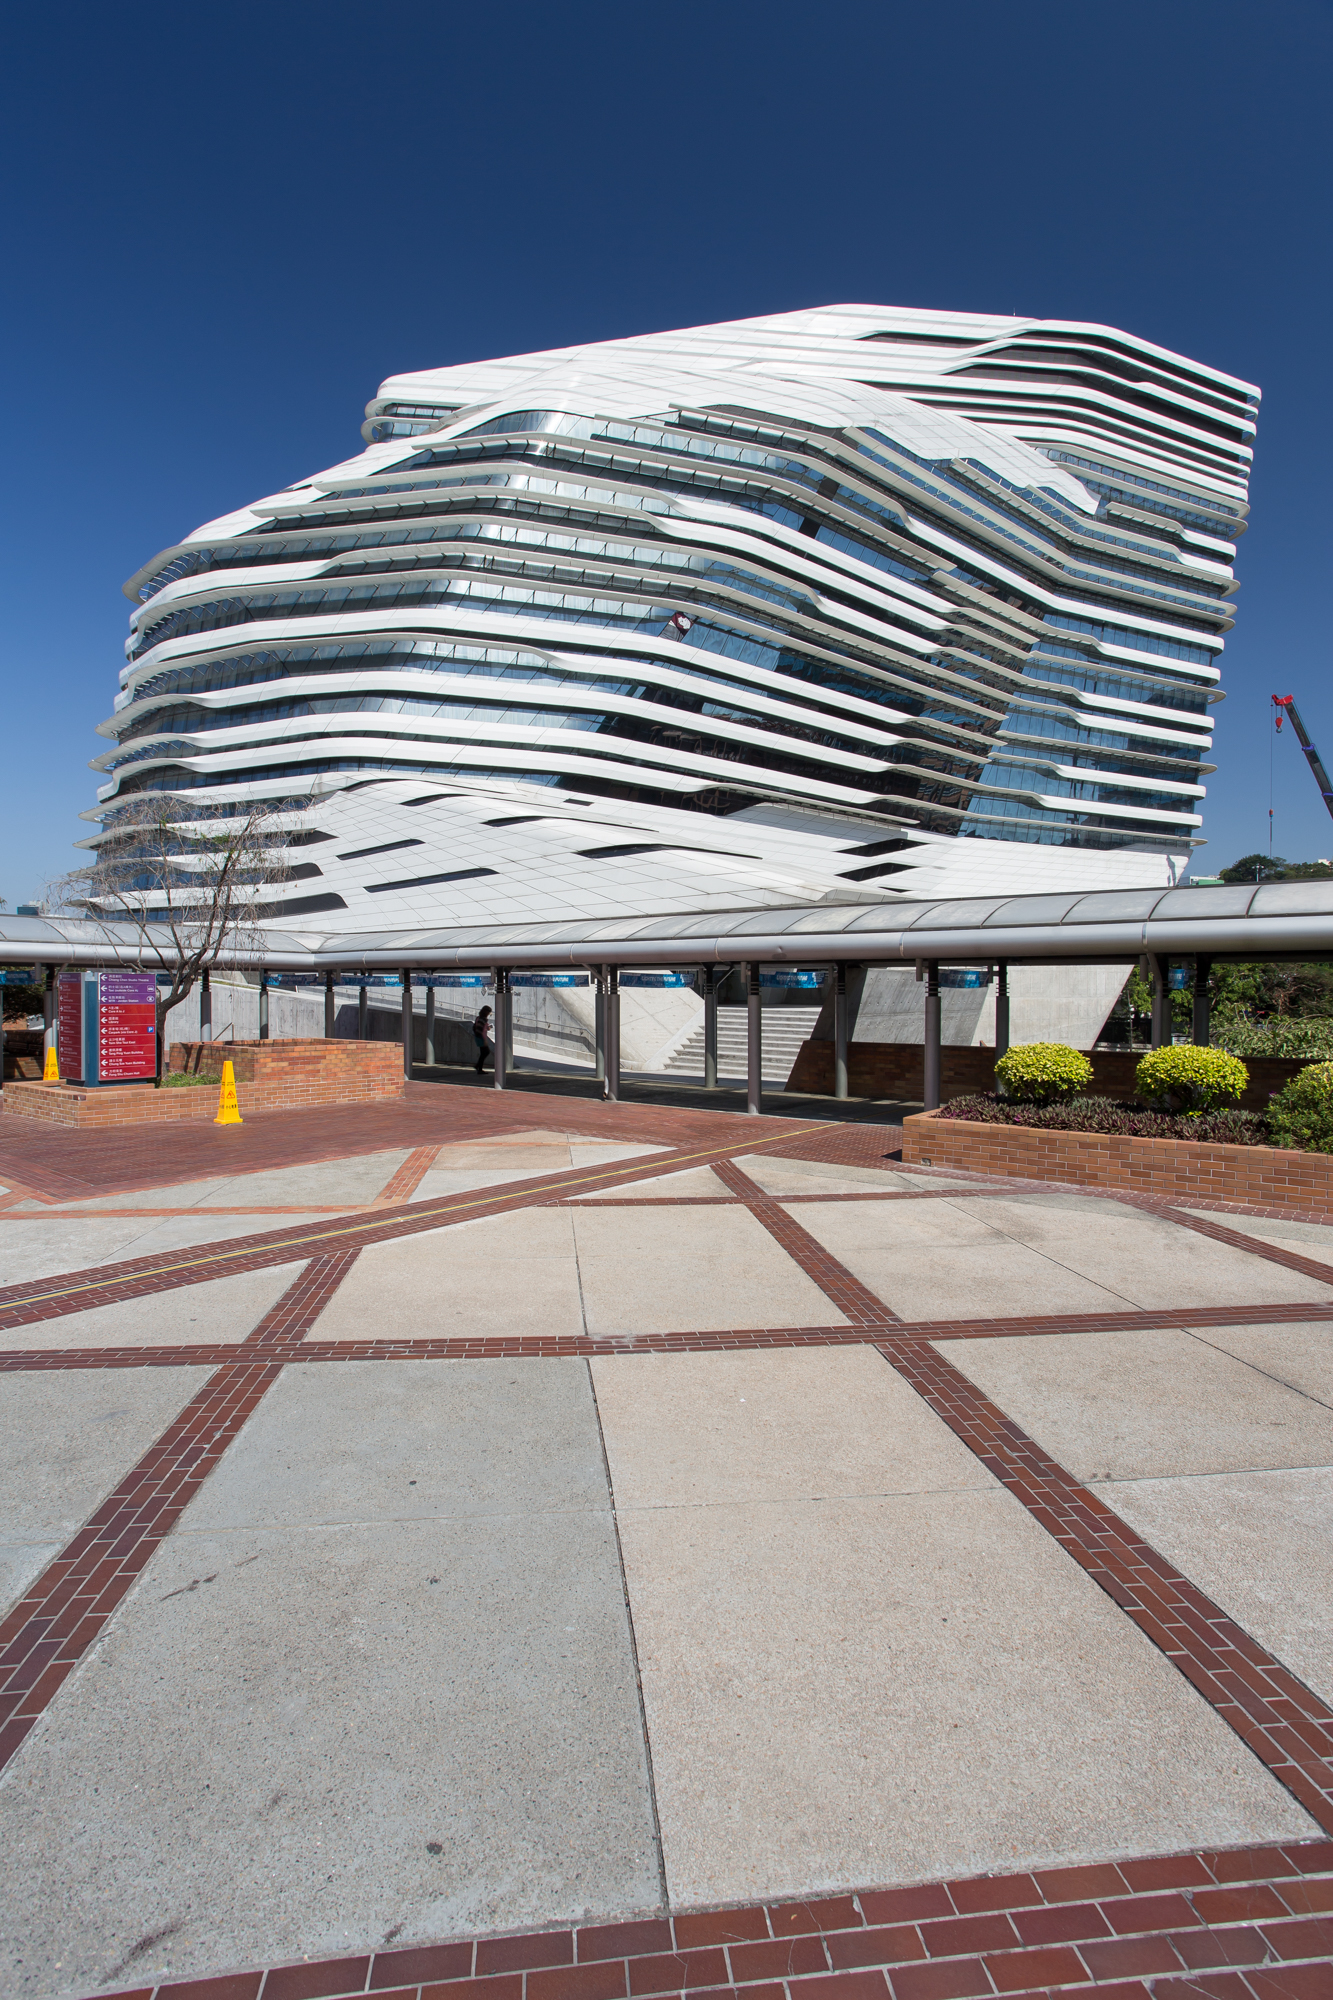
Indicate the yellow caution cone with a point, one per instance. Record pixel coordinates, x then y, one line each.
229 1111
51 1074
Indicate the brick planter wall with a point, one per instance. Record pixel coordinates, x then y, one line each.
893 1070
270 1076
1176 1169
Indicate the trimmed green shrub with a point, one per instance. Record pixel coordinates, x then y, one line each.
1190 1079
1302 1113
1042 1072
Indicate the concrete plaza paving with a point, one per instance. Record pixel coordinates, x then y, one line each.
456 1522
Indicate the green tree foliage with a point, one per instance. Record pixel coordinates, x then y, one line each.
1274 868
1302 1114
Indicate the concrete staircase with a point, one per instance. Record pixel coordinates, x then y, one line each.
785 1028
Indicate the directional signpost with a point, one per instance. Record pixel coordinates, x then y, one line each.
106 1027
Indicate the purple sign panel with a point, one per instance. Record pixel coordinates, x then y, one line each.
126 1026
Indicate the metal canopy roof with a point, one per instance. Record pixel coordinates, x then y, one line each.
1276 920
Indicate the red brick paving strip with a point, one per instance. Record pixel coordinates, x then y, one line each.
45 1635
694 1340
853 1299
404 1184
1237 1924
1275 1715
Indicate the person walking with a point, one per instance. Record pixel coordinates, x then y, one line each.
481 1030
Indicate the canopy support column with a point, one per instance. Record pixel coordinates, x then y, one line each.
1161 1001
1202 1025
500 1029
599 1024
710 1027
1001 1009
613 1034
754 1067
840 1030
330 1007
362 1015
263 1005
408 1023
205 1007
430 1026
930 1091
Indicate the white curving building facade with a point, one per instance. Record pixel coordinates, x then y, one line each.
829 604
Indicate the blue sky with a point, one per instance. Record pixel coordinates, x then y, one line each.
223 227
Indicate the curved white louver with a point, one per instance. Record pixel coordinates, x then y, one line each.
894 575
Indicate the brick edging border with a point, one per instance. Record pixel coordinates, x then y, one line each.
1245 1923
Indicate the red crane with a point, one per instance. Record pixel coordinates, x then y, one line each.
1286 702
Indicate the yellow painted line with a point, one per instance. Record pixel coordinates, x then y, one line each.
617 1173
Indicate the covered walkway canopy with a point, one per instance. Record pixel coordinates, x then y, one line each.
1273 921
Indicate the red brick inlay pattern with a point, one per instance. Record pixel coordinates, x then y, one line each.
1234 1924
1275 1715
47 1632
853 1299
404 1184
505 1347
107 1284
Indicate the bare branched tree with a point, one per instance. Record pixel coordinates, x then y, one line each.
193 882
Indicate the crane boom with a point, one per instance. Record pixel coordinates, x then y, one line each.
1285 702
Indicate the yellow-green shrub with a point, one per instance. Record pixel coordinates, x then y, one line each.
1042 1072
1190 1079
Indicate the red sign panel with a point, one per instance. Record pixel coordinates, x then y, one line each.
69 1027
126 1026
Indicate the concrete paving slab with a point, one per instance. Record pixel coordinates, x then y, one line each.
503 1162
664 1270
183 1232
220 1309
53 1243
870 1687
769 1424
322 1183
1143 1258
1314 1238
1300 1356
503 1274
933 1260
1258 1543
380 1441
435 1184
1146 1403
667 1187
350 1735
593 1153
66 1440
183 1195
780 1176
